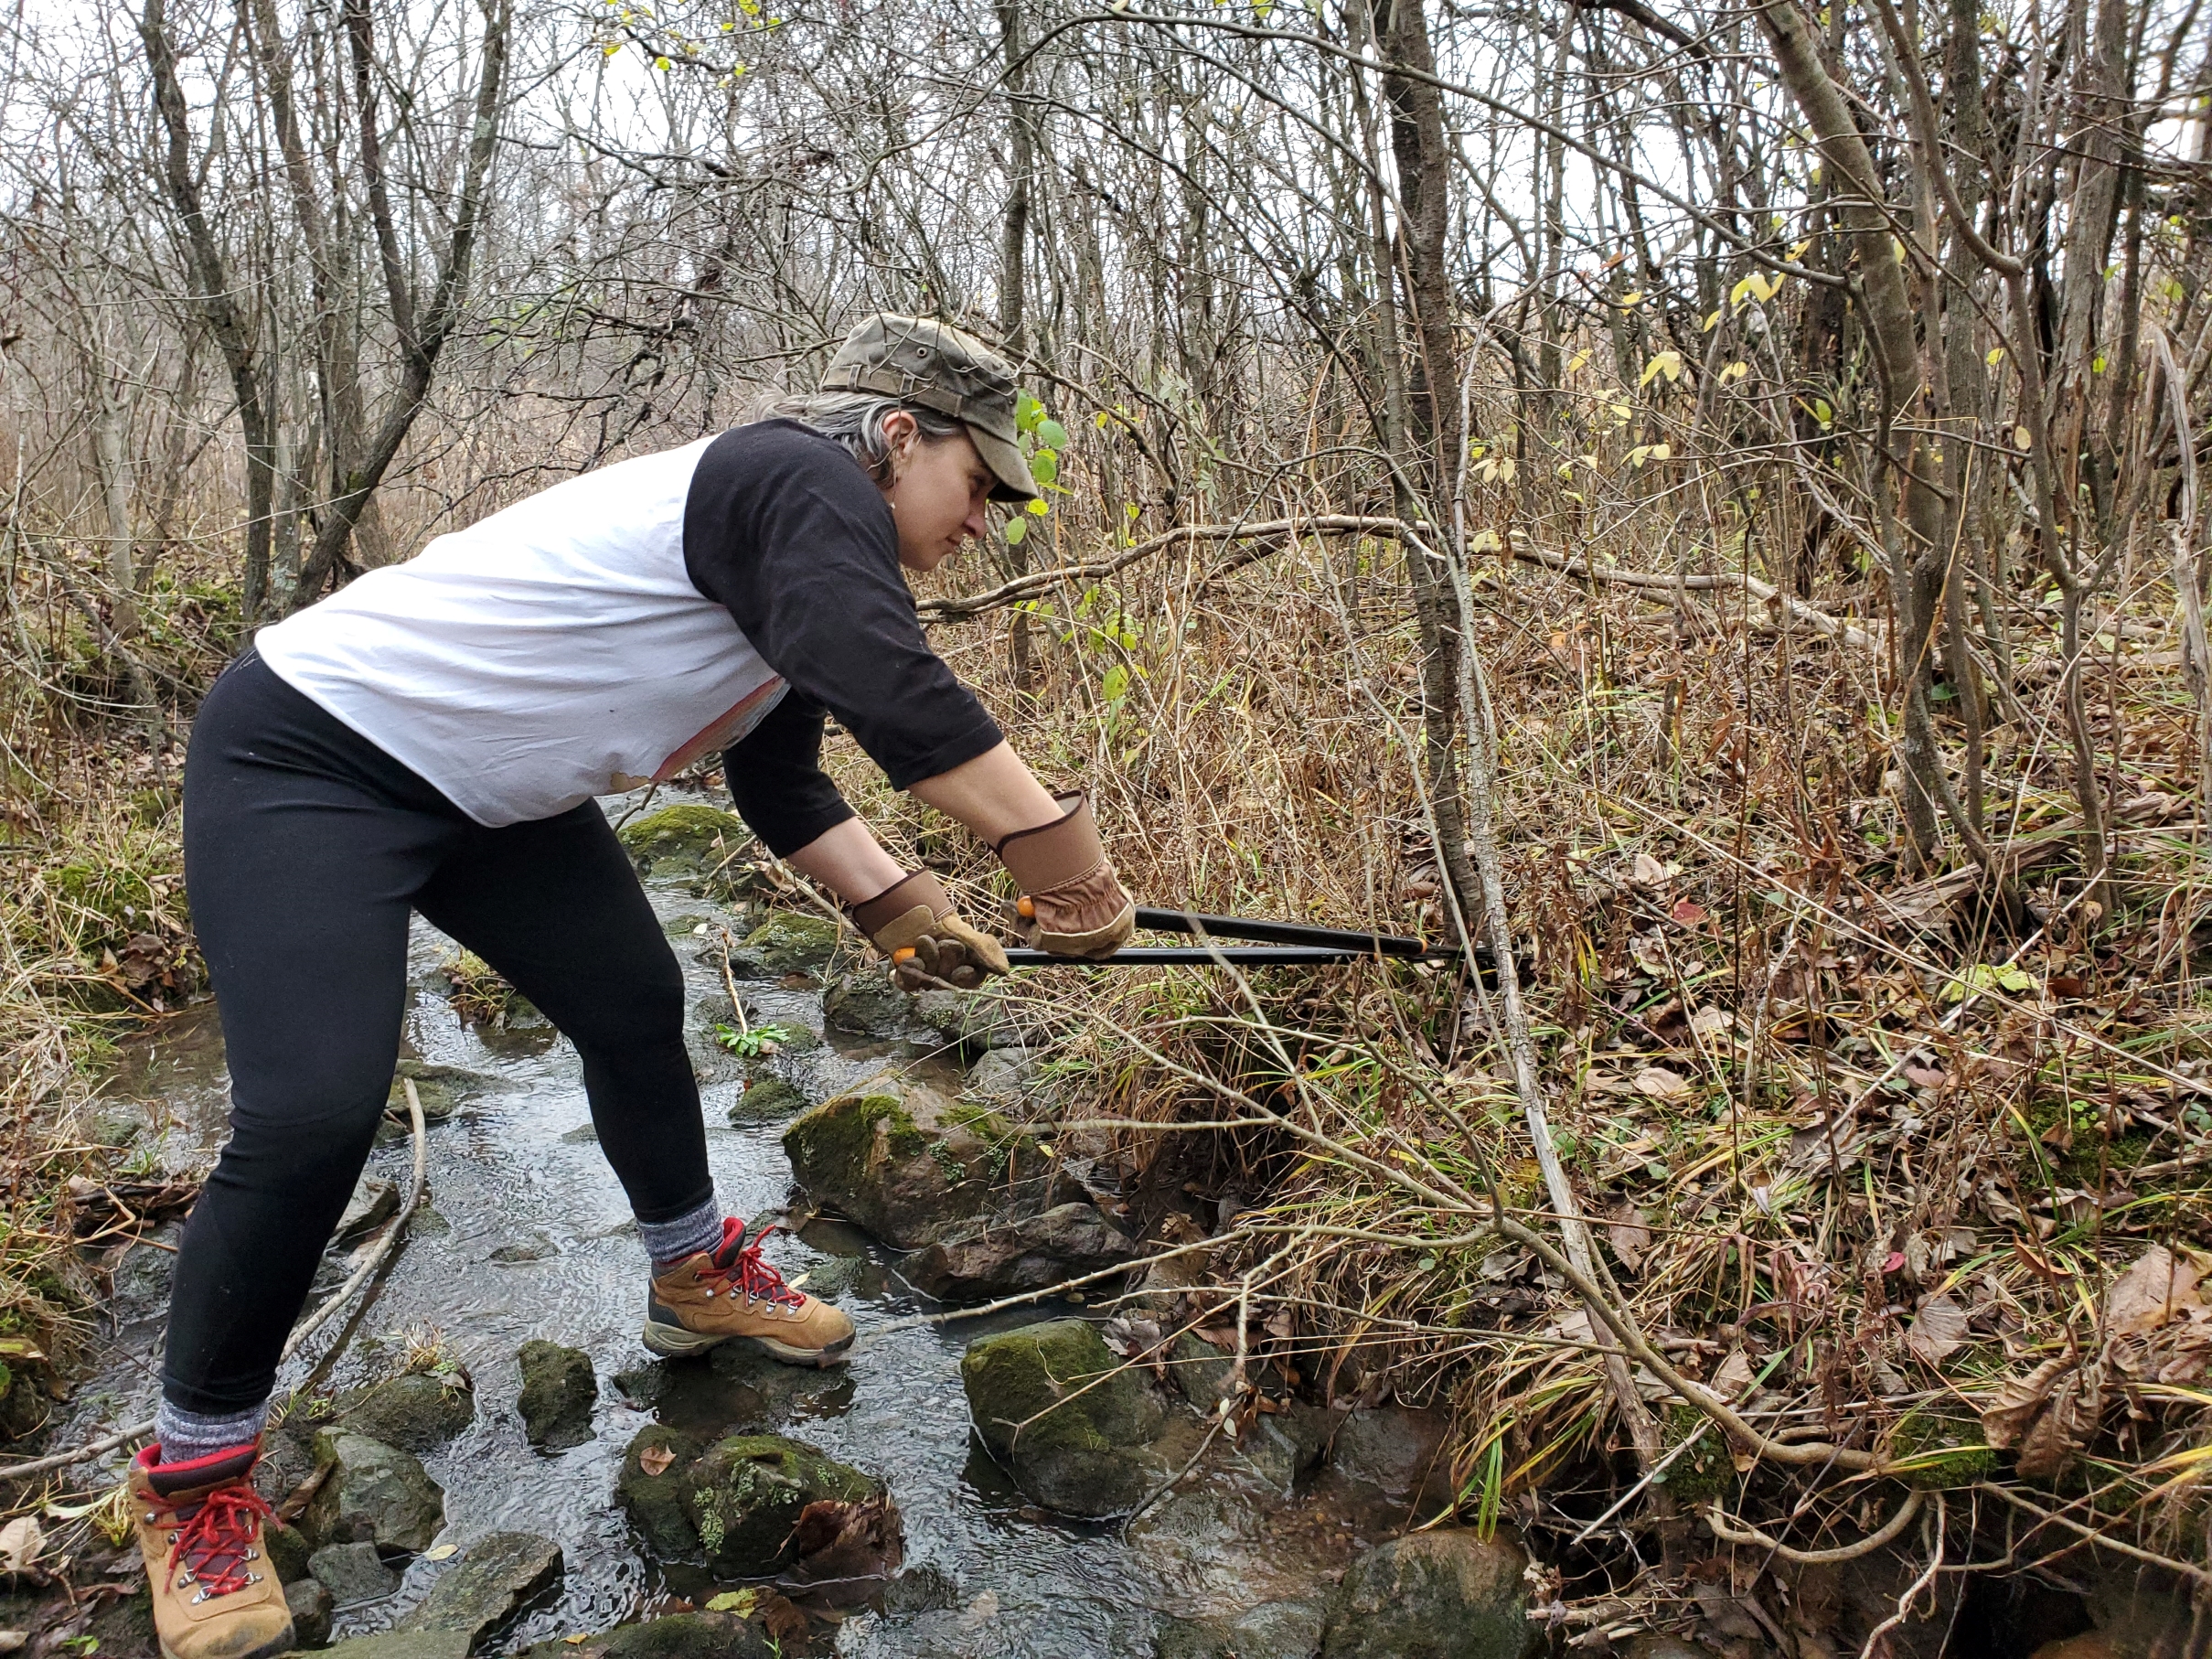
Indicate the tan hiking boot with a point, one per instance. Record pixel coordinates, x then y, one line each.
199 1528
728 1293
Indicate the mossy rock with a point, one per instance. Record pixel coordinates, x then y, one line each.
745 1494
1941 1450
654 1503
677 1636
375 1493
766 1100
1069 1422
558 1390
683 839
868 1004
904 1161
788 943
733 1504
441 1089
1447 1594
418 1412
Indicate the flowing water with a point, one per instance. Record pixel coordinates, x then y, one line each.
528 1236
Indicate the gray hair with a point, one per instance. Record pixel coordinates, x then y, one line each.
855 418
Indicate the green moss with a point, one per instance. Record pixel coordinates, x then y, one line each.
748 1492
683 828
839 1135
1706 1470
1040 1384
1938 1450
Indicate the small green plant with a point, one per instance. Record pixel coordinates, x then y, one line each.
479 993
750 1043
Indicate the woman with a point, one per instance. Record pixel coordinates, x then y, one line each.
431 739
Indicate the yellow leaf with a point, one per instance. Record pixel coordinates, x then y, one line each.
1577 360
441 1552
1798 252
1711 323
1668 363
1995 357
1631 299
1734 371
1483 541
2023 438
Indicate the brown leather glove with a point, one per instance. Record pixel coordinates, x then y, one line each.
913 923
1073 904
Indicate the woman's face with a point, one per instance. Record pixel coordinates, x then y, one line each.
938 492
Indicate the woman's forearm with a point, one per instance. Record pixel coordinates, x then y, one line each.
994 795
848 861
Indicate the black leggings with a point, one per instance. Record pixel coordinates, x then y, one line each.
306 847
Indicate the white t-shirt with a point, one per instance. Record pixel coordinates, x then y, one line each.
552 652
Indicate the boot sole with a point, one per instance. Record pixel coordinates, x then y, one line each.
673 1342
268 1650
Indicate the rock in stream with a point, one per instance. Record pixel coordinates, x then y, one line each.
904 1161
988 1257
1447 1594
558 1390
1070 1422
493 1577
373 1494
737 1503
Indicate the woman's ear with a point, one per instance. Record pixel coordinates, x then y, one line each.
902 431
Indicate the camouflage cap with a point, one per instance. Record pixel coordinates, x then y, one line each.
937 367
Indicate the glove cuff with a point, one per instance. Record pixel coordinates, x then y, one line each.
904 911
1055 854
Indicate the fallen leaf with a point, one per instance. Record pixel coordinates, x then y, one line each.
1660 1084
783 1622
738 1602
12 1640
985 1606
580 1637
1920 1076
21 1540
1282 1325
1734 1376
1647 872
1711 1022
441 1552
654 1460
1938 1330
2149 1293
1627 1235
2067 985
1689 912
2063 1432
2015 1405
842 1541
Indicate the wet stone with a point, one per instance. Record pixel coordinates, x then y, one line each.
370 1206
558 1391
441 1089
492 1577
1392 1447
978 1023
787 942
418 1412
374 1494
766 1100
311 1604
536 1247
1448 1594
583 1134
1282 1445
403 1644
921 1588
1002 1077
683 839
288 1551
988 1257
352 1573
677 1636
868 1004
1274 1630
1085 1421
902 1160
734 1503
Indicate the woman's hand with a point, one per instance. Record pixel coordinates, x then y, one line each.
1073 904
914 923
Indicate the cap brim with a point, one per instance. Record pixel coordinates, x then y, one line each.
1007 464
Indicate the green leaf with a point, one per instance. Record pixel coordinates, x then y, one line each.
1028 411
1044 467
1115 685
1015 530
1051 434
739 1601
1039 507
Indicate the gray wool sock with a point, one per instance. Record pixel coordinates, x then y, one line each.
669 1242
187 1435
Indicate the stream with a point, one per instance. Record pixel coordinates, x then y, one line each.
526 1235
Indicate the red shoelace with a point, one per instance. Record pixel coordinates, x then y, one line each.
758 1280
214 1539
